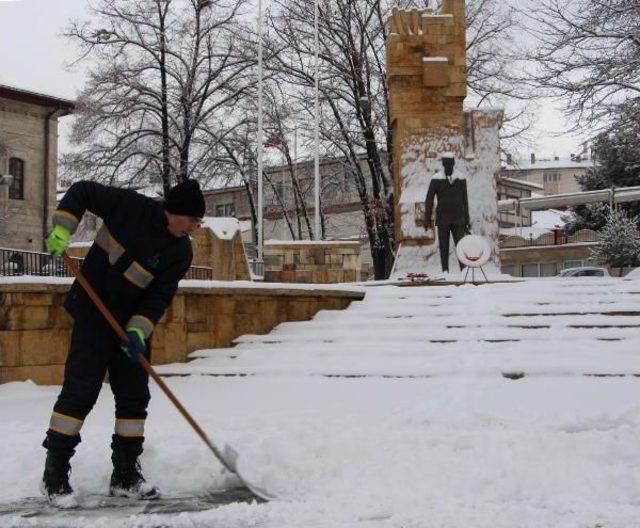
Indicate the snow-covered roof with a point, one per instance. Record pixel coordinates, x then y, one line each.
548 219
223 227
562 163
523 183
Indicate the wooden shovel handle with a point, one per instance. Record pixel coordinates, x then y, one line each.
141 359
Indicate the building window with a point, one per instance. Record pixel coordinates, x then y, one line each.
573 264
16 169
530 270
548 269
508 269
551 177
225 210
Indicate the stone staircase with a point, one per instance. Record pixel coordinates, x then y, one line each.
550 327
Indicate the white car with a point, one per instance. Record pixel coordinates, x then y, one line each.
585 271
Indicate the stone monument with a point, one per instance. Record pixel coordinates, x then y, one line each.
426 68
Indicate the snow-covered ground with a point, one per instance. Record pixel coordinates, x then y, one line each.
393 413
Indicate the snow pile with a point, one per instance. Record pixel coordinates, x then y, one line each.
223 228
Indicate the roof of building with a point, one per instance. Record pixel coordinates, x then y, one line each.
521 183
37 98
224 190
560 163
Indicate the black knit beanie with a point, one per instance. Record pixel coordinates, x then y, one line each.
185 199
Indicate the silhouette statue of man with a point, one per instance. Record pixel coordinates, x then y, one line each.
449 185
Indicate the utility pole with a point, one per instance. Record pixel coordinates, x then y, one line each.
317 129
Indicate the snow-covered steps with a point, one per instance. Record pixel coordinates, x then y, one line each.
560 327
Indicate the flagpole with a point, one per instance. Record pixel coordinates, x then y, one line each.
259 269
317 128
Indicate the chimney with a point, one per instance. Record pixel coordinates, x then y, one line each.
533 158
556 158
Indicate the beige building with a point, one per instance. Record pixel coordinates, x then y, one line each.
29 153
556 175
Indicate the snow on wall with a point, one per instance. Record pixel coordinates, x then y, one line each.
478 158
223 228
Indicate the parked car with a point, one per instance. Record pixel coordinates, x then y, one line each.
585 271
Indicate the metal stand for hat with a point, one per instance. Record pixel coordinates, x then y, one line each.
473 275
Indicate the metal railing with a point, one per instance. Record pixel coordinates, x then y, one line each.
17 262
199 273
556 238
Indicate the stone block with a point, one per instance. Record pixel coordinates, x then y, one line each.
269 315
224 330
288 276
176 312
222 304
349 275
43 347
246 324
246 305
317 256
303 276
352 262
197 326
200 341
300 310
274 261
10 348
196 308
33 299
24 317
60 319
435 73
39 374
175 343
272 276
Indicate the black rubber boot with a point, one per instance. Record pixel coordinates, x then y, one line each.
127 479
55 481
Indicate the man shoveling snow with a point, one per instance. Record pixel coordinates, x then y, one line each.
138 257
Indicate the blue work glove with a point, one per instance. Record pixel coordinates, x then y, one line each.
136 343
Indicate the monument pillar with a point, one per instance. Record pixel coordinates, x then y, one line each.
427 77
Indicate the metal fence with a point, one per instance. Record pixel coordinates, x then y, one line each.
555 238
199 273
16 262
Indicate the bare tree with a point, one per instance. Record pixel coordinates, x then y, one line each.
161 71
351 52
588 53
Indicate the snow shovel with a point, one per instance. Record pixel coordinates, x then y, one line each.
227 456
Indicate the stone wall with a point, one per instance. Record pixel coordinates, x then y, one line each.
35 328
312 262
224 253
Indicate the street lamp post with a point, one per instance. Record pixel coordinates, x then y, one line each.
317 127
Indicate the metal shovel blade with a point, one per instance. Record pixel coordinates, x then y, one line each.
230 456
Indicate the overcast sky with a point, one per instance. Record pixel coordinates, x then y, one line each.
34 56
